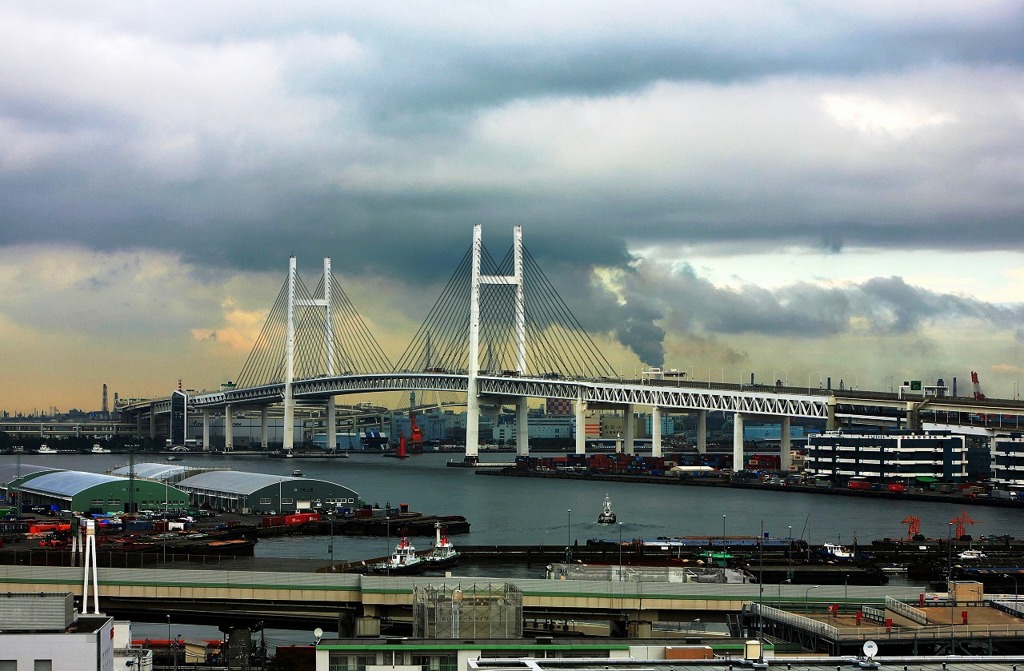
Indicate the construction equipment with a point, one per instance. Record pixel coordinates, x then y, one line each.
978 396
960 522
913 523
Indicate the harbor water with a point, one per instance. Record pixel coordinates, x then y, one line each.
523 511
526 511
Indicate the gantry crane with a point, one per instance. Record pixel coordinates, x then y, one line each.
960 522
913 523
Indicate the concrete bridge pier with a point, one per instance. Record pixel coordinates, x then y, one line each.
581 426
785 445
238 648
629 429
264 431
332 424
702 431
206 429
229 428
737 442
522 428
656 431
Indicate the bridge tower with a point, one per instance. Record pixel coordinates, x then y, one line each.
293 304
472 391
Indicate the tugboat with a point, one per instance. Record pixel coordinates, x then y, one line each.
443 554
403 561
606 516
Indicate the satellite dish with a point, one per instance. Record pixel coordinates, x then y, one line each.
318 632
870 649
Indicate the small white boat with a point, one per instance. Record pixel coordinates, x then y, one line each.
972 555
297 473
99 449
403 561
606 516
835 551
443 554
46 449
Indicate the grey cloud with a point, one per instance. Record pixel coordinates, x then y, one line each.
889 306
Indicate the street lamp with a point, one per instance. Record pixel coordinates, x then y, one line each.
620 551
949 589
568 545
1014 579
787 581
387 545
723 530
808 591
789 555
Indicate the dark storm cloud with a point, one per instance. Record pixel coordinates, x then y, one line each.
355 132
882 306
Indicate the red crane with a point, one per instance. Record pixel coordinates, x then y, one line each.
978 396
913 523
960 522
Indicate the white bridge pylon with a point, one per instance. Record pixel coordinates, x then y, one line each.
472 393
289 397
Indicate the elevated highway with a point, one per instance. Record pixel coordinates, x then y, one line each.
286 599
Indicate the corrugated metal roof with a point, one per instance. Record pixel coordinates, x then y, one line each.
242 483
233 482
9 472
67 483
151 471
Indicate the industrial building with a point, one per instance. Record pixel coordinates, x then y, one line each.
241 492
45 631
1008 460
91 493
888 457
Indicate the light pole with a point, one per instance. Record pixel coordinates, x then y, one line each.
387 545
760 596
787 581
1014 579
723 530
568 538
846 586
949 589
789 556
808 591
620 551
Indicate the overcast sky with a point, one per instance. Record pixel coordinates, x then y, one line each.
794 189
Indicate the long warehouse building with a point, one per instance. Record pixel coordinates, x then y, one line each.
90 493
259 493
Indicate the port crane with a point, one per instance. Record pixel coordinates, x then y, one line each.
913 523
960 522
978 396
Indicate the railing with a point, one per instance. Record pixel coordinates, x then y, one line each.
873 614
796 621
904 610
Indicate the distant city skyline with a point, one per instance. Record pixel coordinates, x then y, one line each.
801 191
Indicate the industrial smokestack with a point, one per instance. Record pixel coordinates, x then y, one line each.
105 407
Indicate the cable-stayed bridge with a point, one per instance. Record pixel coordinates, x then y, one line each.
498 335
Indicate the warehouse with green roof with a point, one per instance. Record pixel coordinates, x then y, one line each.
92 493
241 492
